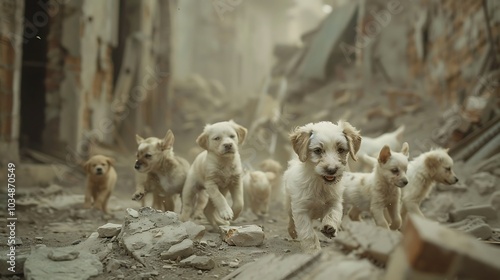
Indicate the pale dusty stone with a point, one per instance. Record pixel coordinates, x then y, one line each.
243 236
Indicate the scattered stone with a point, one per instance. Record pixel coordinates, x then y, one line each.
133 267
109 230
155 273
60 256
167 266
370 240
223 263
287 250
243 236
38 238
200 272
203 263
194 231
486 211
203 243
211 243
52 189
133 213
187 261
234 264
474 226
114 264
483 182
39 266
182 250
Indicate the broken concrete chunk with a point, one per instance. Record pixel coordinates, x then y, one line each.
486 211
182 250
187 261
438 250
203 263
109 230
243 236
195 231
474 226
370 240
39 266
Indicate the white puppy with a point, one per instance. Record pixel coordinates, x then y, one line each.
217 170
379 191
257 186
423 171
371 146
270 165
312 181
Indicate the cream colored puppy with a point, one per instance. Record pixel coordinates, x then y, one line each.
165 172
217 170
379 190
312 181
101 180
270 165
371 146
423 172
257 186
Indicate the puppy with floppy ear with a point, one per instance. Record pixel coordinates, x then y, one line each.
257 188
217 170
380 190
274 167
166 172
312 181
423 172
101 180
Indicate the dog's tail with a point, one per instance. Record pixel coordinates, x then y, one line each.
399 132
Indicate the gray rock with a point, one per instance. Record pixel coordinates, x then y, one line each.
133 213
195 231
109 230
483 182
114 264
474 226
243 236
187 261
203 263
95 245
182 250
38 266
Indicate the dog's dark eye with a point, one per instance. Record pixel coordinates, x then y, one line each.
395 170
232 136
448 168
217 138
341 150
318 151
147 156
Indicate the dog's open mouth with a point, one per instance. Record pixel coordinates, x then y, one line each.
329 178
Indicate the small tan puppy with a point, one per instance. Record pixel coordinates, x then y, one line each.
101 180
312 181
380 190
166 172
257 186
423 172
217 170
270 165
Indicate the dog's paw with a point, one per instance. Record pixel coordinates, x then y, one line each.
329 231
137 196
226 214
87 205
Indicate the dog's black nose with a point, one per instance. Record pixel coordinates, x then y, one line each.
456 179
331 171
228 146
137 165
98 169
405 182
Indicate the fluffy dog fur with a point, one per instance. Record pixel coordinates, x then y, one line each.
423 172
217 170
101 180
312 181
257 186
379 190
371 146
166 172
270 165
